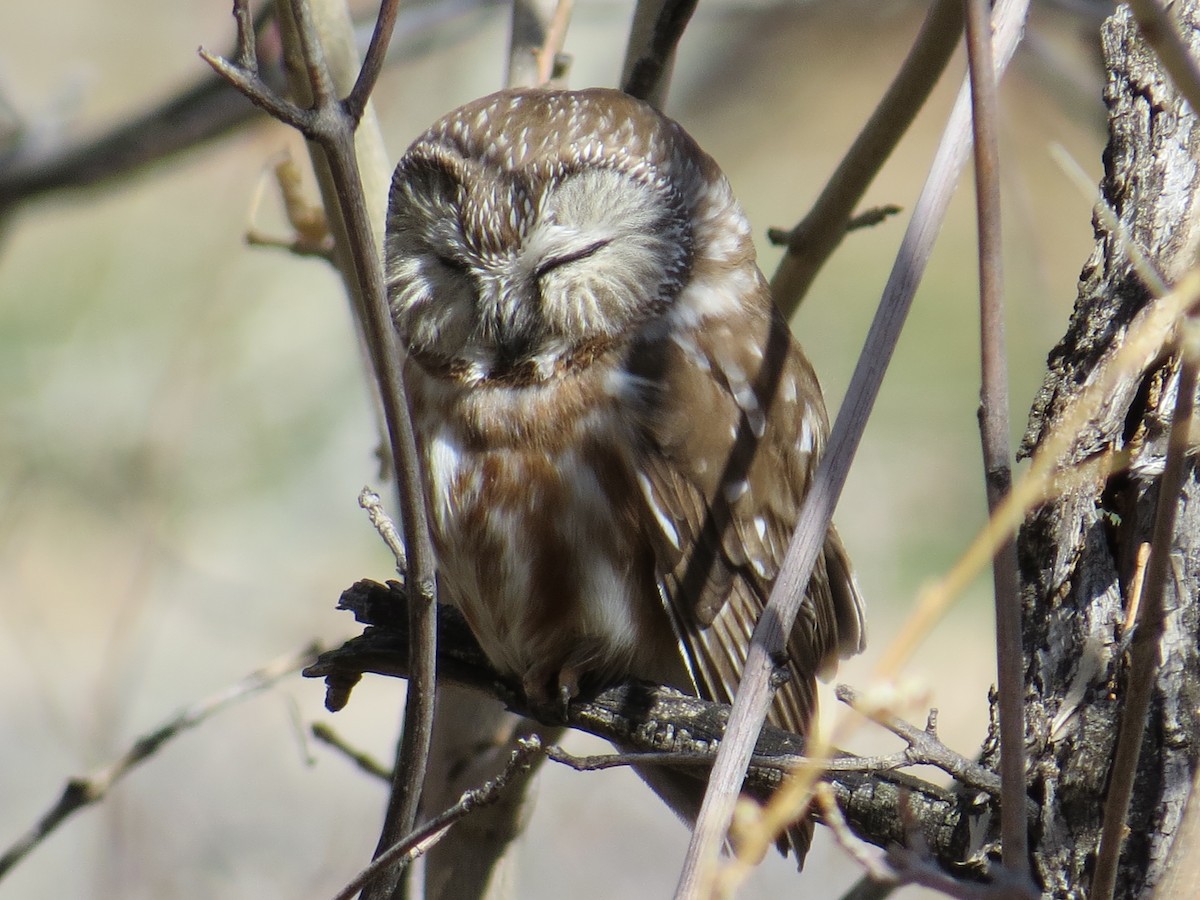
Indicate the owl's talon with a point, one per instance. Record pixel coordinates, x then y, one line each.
565 696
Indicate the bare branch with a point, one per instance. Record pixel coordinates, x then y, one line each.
356 100
369 500
550 59
420 840
529 29
85 790
925 746
363 761
659 726
331 126
201 112
754 694
820 232
994 430
657 28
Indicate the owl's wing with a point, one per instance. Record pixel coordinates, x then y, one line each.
732 432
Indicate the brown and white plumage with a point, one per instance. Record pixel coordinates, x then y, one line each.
617 426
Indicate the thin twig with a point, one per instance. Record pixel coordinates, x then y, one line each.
868 218
926 752
368 75
658 26
549 54
820 232
1143 652
769 639
363 761
370 501
530 24
85 790
420 840
994 430
924 745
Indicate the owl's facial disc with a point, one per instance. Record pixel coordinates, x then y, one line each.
496 275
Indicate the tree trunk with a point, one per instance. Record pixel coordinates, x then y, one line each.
1079 552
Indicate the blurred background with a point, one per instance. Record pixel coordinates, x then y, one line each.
184 429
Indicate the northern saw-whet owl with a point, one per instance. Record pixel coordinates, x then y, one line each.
616 425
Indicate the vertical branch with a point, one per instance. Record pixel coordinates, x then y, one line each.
1147 638
330 124
531 22
657 27
994 428
820 232
754 693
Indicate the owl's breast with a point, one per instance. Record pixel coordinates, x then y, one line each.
534 514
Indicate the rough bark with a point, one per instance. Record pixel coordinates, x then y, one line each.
1078 553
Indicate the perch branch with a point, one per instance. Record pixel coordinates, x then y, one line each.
994 430
654 723
88 789
754 694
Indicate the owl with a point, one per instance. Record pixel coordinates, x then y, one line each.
616 425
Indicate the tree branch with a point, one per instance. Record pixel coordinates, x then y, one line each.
330 125
657 28
994 429
820 232
88 789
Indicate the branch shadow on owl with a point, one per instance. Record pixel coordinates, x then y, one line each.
882 806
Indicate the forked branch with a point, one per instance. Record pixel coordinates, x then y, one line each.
330 122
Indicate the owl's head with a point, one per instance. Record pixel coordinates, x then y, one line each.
532 226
